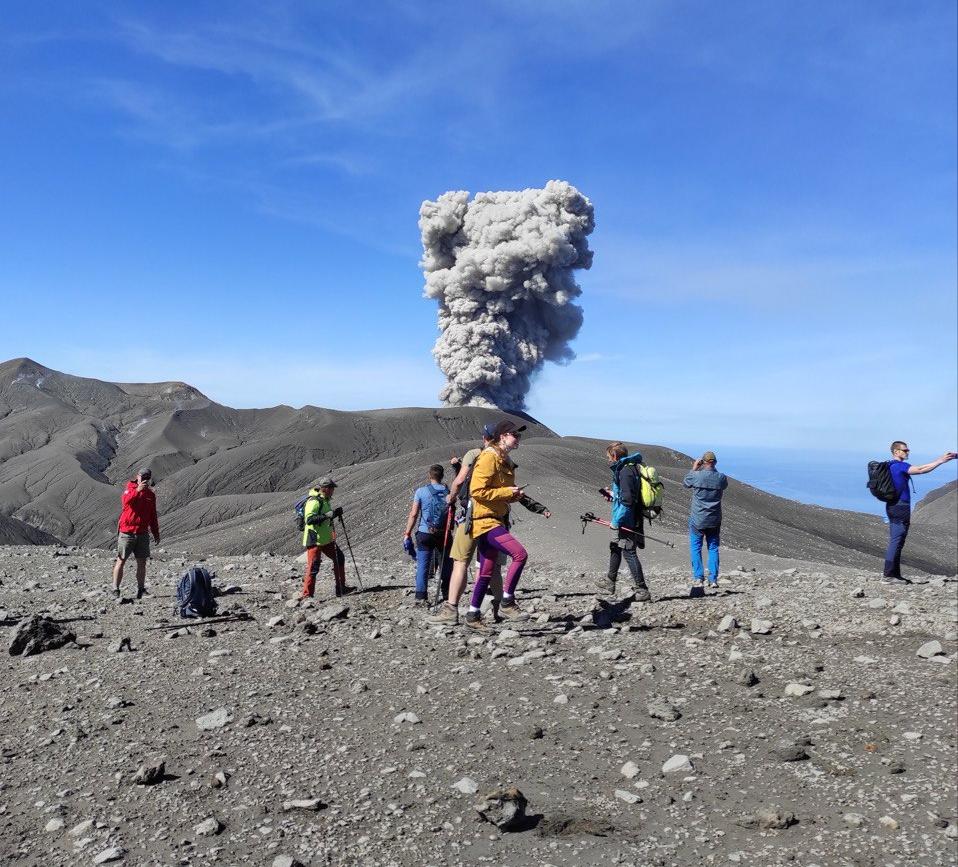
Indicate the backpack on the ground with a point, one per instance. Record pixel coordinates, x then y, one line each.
194 594
434 511
300 511
880 482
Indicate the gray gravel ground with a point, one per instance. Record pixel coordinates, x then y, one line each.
827 740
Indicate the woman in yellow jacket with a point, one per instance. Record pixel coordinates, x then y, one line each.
493 488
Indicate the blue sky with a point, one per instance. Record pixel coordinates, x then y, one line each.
227 194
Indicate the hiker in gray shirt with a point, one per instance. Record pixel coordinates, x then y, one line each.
705 519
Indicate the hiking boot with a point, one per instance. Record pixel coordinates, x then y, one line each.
141 592
446 615
116 592
475 622
345 590
606 586
509 610
641 593
713 584
896 580
697 590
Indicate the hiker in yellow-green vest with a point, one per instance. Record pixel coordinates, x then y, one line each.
319 538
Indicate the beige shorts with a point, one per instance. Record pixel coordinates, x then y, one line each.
135 544
464 547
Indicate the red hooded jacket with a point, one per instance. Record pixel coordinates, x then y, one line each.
139 511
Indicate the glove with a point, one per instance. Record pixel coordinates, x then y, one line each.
408 547
336 513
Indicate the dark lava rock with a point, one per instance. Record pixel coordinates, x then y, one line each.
504 808
37 634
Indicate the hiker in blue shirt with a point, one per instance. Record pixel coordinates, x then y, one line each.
899 512
705 519
429 516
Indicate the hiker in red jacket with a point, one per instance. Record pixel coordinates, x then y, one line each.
137 520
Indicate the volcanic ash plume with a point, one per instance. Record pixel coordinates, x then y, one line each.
501 268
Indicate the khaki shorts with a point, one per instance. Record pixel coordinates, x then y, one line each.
137 544
464 547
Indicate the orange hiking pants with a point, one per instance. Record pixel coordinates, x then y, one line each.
313 557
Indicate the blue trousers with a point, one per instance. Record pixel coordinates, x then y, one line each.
428 555
899 519
710 535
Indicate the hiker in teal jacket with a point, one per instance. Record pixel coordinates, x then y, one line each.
319 538
625 495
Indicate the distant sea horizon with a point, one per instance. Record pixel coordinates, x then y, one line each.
835 480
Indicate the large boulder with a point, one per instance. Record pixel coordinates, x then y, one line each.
36 634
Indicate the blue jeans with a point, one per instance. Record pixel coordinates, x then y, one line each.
428 555
899 519
710 535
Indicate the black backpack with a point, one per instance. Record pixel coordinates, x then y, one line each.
194 594
880 482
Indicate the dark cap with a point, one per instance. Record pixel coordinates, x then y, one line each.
326 482
145 473
506 426
489 429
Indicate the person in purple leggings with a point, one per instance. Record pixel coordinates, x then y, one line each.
493 488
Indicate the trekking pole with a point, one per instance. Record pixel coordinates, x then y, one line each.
359 580
442 557
588 518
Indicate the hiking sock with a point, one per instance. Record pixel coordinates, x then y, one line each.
473 609
507 598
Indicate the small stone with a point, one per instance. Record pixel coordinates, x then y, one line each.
114 853
930 649
768 819
287 861
659 708
797 690
208 827
877 603
627 796
629 770
467 786
679 763
336 611
275 621
150 773
535 733
406 717
761 627
504 808
727 623
120 645
81 828
311 804
855 820
747 677
888 823
54 826
858 593
789 753
831 694
562 698
214 719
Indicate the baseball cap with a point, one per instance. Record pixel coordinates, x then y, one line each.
708 458
326 482
506 426
489 430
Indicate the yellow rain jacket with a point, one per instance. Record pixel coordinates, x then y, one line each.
492 477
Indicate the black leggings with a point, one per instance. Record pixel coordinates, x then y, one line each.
626 545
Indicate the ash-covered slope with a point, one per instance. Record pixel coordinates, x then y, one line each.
939 508
227 478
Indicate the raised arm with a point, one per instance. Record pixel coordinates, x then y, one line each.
927 468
